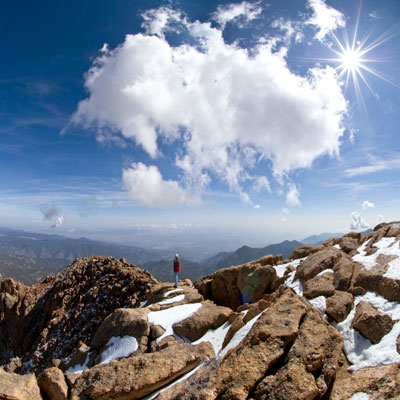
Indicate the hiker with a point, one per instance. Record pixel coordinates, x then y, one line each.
177 268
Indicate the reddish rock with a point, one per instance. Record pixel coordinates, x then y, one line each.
305 251
233 286
371 323
343 271
339 305
18 387
321 285
378 383
137 376
316 263
122 322
52 383
209 316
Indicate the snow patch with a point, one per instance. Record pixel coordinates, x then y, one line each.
215 336
324 271
119 347
239 336
359 396
175 299
296 285
359 350
319 302
166 294
337 246
280 269
171 316
385 247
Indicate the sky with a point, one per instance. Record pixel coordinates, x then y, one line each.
215 122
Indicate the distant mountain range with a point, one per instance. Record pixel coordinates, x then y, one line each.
245 254
29 257
318 239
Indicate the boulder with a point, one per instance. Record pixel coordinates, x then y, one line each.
316 263
373 280
164 296
321 285
343 271
349 243
52 383
305 251
138 376
209 316
18 387
122 322
233 286
339 305
237 324
377 383
371 323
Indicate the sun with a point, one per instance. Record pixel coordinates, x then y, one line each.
351 61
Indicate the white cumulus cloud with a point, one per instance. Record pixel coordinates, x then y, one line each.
357 222
325 18
367 204
146 186
239 13
58 222
226 108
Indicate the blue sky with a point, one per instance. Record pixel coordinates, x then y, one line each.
243 122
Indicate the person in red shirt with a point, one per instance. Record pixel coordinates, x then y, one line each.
177 268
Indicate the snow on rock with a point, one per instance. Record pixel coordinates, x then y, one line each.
119 347
384 246
319 302
175 299
215 336
239 336
359 396
79 368
166 294
337 246
171 316
296 285
180 379
359 350
325 271
280 269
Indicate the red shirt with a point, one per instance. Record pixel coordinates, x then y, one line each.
177 266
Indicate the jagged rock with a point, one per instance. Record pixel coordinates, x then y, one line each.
316 263
371 323
321 285
137 376
290 342
233 286
52 383
349 244
255 309
123 321
373 280
305 251
156 331
52 317
158 295
343 272
18 387
339 305
377 382
237 324
209 316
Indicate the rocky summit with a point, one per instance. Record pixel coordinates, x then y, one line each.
322 324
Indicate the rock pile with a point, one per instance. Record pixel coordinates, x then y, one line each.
320 325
